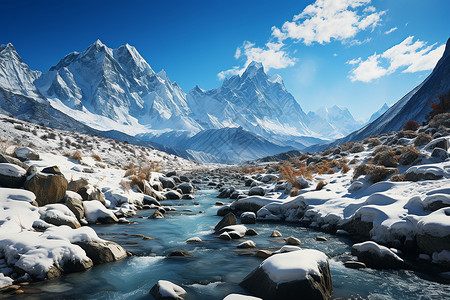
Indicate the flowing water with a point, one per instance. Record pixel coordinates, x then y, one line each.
218 266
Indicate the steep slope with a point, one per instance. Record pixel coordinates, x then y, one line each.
257 103
101 83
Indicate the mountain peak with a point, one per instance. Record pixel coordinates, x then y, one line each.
253 69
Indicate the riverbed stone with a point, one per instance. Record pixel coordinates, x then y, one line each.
102 251
293 241
227 220
166 290
248 217
276 233
48 188
11 175
246 245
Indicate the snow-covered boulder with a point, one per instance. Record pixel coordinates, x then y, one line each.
253 203
173 195
26 153
167 182
16 211
186 188
41 255
424 172
95 212
298 274
90 192
436 201
246 244
58 214
377 256
234 231
433 231
11 175
48 188
441 142
5 281
166 290
440 154
248 217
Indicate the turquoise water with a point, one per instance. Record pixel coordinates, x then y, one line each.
218 266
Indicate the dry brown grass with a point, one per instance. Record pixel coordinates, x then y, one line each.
252 170
76 156
385 158
294 192
398 178
406 133
130 172
96 157
347 146
408 155
372 142
320 185
290 174
345 168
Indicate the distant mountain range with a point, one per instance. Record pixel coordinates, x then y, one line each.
116 92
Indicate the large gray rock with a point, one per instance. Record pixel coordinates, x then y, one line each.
102 251
48 188
227 220
433 233
186 188
76 185
440 153
74 202
248 217
90 192
12 160
438 143
11 175
290 276
173 195
167 182
58 214
256 191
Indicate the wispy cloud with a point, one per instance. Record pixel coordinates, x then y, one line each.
391 30
409 56
320 22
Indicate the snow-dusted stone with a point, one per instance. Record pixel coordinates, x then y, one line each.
256 191
234 231
288 248
12 160
17 203
424 172
74 202
253 203
246 244
268 177
194 240
5 281
186 188
298 274
293 241
225 192
240 297
248 217
225 236
89 192
377 256
11 175
222 211
95 212
436 201
440 154
76 185
227 220
59 214
26 153
102 251
433 231
157 215
149 200
251 231
48 188
276 233
166 290
441 142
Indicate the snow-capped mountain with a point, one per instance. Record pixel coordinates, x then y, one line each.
117 86
378 113
253 101
333 122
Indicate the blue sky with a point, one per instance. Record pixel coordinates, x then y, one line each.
355 53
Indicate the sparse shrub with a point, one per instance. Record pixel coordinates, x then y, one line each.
377 173
96 157
353 161
125 184
320 185
422 139
411 125
382 148
440 119
373 142
345 168
347 146
130 172
406 133
291 174
398 178
251 170
304 156
409 155
443 106
327 152
385 158
293 192
357 147
76 156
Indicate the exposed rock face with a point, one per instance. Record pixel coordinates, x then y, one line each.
89 193
48 188
227 220
75 185
166 290
186 188
167 182
294 278
102 251
11 175
75 203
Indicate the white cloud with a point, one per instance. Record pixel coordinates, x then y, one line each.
325 20
409 56
391 30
